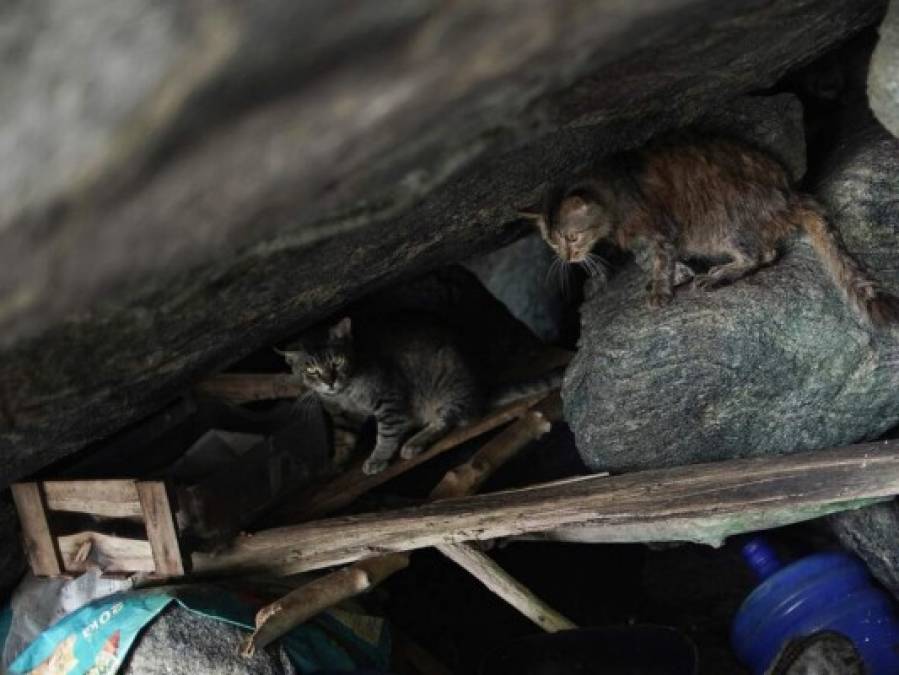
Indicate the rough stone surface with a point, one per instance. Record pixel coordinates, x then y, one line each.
281 159
871 534
775 363
772 123
519 275
180 642
883 75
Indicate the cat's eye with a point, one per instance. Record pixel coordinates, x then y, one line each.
572 236
311 370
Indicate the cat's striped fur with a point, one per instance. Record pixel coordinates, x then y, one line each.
407 372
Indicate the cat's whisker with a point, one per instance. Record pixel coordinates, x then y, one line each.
305 404
552 270
600 262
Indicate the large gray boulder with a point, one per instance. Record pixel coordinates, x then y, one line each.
521 276
775 363
883 75
187 182
871 533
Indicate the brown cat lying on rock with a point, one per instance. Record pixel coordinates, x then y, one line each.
686 197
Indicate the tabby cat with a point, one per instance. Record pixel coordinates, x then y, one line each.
406 371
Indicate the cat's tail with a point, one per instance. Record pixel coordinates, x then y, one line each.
866 297
535 386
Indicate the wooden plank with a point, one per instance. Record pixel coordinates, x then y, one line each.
246 387
740 490
39 544
113 555
162 531
667 504
116 498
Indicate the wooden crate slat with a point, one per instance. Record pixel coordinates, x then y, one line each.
111 498
162 530
115 554
39 542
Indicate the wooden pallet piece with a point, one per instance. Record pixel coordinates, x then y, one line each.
40 544
162 531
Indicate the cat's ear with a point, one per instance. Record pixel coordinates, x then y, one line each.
292 357
342 330
575 204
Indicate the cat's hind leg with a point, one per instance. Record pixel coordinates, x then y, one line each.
743 263
432 432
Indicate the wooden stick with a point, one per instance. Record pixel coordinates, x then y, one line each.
494 577
276 619
345 583
734 489
246 387
353 483
468 477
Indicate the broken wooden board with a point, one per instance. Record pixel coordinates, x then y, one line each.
747 493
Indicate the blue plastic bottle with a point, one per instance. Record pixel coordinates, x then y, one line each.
822 591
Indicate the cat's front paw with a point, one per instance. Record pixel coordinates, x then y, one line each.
683 274
410 450
373 465
658 298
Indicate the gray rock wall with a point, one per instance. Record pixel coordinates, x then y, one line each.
883 75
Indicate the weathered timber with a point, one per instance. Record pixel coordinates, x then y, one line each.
744 492
162 531
276 619
110 553
736 489
43 555
113 498
246 387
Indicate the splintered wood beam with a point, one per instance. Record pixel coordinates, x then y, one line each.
247 387
735 489
353 483
310 599
112 554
